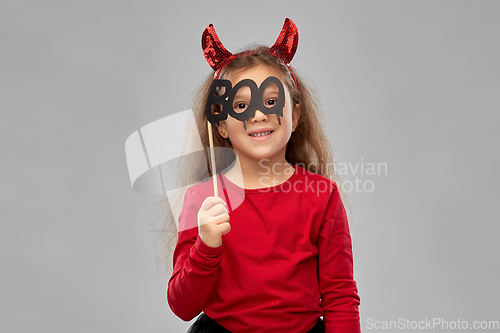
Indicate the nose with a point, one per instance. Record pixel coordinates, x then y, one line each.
259 116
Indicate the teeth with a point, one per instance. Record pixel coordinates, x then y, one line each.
261 134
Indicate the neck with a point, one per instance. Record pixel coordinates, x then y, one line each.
250 172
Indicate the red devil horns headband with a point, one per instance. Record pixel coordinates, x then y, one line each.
219 57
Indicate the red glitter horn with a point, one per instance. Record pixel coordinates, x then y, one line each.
283 49
215 53
286 45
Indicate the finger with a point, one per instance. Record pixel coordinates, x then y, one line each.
210 202
224 228
224 218
217 210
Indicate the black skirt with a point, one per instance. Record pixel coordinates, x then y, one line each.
205 324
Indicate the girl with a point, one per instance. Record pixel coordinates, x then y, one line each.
279 259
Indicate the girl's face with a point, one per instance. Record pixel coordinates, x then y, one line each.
244 141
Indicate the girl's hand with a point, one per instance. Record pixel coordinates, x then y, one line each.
213 221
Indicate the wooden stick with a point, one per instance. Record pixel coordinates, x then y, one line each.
212 156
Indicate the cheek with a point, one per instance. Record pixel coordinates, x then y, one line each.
233 125
287 115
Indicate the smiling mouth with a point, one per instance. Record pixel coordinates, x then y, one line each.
261 134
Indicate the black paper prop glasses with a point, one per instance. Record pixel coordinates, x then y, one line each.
224 100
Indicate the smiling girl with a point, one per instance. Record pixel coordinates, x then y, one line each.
281 259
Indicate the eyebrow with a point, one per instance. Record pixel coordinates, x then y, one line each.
272 88
245 92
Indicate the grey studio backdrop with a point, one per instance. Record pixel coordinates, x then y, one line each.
412 85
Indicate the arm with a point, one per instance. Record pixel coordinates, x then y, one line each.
338 289
195 266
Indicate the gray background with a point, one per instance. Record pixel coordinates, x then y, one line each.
414 84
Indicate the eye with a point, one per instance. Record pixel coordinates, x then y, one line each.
271 102
240 106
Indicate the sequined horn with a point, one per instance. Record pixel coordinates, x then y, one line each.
286 44
215 53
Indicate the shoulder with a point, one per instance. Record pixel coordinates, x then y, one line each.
199 192
193 200
321 193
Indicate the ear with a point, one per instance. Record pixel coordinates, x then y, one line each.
295 116
222 129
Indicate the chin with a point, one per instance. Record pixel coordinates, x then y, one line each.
265 155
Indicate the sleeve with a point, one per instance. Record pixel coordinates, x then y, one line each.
196 266
338 289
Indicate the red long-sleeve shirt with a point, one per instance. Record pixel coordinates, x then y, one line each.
286 261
